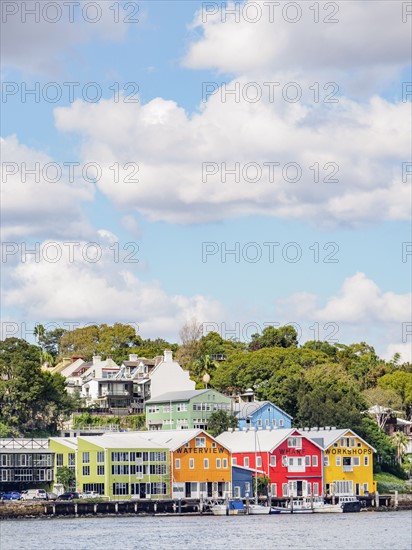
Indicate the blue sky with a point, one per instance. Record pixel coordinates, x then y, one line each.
171 132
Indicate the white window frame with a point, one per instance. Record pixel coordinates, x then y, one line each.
205 463
177 464
314 461
246 462
273 461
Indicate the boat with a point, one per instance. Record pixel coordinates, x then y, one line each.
258 509
345 504
230 508
296 506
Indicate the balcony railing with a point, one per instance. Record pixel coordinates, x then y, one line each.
348 468
104 393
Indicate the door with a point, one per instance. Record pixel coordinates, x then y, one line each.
142 490
188 491
357 489
299 488
209 489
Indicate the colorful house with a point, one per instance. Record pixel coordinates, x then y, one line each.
348 461
185 410
261 414
199 464
122 465
291 460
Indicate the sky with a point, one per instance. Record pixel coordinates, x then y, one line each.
245 164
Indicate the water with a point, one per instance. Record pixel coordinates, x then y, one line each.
364 531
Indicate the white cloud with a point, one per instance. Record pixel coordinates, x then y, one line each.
404 349
365 144
106 290
31 204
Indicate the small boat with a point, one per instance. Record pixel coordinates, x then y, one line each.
345 504
231 508
258 509
297 506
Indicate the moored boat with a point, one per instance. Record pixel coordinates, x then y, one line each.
258 509
296 506
231 508
345 504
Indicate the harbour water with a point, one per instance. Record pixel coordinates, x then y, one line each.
364 531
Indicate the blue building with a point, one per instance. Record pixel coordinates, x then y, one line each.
242 482
261 414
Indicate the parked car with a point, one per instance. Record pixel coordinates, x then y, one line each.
34 494
89 494
12 495
52 496
69 495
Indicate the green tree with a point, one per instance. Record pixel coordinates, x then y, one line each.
31 400
221 421
382 404
282 337
66 477
401 383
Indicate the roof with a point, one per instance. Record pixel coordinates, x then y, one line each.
68 441
246 441
244 410
129 440
325 438
177 396
173 439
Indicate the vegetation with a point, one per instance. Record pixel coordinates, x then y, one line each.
221 421
388 483
66 477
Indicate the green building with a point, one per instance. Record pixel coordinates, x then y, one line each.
185 410
119 466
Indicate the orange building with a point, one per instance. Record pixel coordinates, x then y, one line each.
200 466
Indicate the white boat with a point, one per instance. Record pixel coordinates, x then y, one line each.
345 504
297 506
258 509
231 508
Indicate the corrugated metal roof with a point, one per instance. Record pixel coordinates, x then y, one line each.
246 441
177 396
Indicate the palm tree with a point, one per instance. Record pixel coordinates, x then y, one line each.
401 442
203 365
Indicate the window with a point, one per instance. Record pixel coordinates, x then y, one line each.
59 459
274 489
100 456
225 463
153 409
366 461
157 469
200 442
71 459
314 460
97 487
100 470
316 489
213 445
181 407
273 460
121 457
258 461
267 422
300 461
120 469
338 461
365 488
309 488
274 422
192 463
218 463
234 461
86 458
295 442
281 422
307 460
6 460
120 488
246 462
157 457
177 464
237 491
259 422
285 489
284 460
326 461
86 470
356 461
167 408
206 463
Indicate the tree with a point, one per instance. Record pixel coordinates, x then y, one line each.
401 383
66 477
221 421
31 400
282 337
202 366
401 442
190 335
382 404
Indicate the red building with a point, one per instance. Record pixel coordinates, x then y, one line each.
292 461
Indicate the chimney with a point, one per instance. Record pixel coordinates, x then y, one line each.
168 355
132 356
96 359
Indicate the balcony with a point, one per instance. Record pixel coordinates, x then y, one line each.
348 468
116 393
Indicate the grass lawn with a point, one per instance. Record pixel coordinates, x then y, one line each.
388 483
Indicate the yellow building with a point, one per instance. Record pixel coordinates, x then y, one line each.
347 462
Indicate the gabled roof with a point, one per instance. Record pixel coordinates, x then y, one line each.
177 396
173 439
247 441
326 438
124 440
68 441
244 410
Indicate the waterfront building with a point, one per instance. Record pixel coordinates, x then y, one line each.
120 466
200 465
185 410
25 464
243 480
348 461
291 460
261 414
